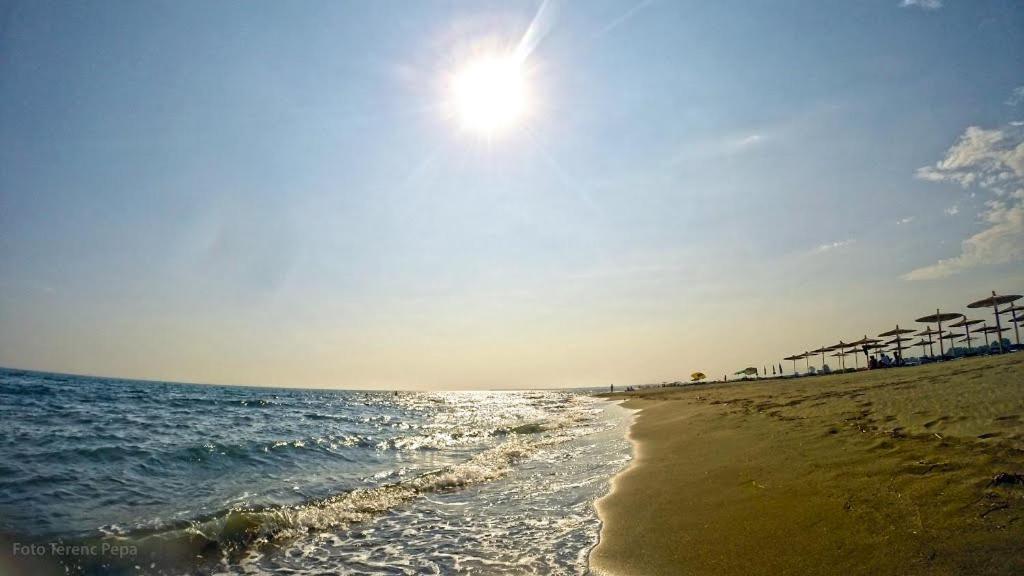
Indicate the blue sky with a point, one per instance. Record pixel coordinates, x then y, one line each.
272 192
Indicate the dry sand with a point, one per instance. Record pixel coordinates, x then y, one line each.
904 471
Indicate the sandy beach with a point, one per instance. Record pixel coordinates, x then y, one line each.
904 471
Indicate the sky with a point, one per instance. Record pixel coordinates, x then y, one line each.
277 193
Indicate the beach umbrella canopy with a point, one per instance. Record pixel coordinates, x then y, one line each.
938 318
995 301
897 331
697 376
964 323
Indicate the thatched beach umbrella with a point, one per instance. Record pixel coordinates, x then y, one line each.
794 359
939 318
984 330
998 331
821 351
922 343
969 340
929 333
840 355
897 344
951 336
864 344
1012 311
898 332
995 302
966 325
842 347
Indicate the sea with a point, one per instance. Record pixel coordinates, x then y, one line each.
113 476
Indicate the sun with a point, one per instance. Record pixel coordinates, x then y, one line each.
489 95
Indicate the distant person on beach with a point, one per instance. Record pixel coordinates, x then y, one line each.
611 388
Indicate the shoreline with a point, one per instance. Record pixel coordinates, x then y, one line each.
902 471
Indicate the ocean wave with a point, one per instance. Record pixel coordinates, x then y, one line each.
233 531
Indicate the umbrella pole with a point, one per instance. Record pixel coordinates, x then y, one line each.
999 325
969 347
899 345
988 347
942 347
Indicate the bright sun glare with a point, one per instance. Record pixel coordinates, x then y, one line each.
489 94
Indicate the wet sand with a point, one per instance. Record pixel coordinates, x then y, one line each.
904 471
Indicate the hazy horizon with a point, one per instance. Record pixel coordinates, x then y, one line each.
273 194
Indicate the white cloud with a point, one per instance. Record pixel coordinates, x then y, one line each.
906 220
1016 97
922 4
1001 242
721 147
832 246
991 161
952 210
745 142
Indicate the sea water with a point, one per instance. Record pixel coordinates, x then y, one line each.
169 478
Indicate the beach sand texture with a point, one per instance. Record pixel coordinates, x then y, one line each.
906 471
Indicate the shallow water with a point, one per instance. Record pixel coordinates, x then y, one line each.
213 479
